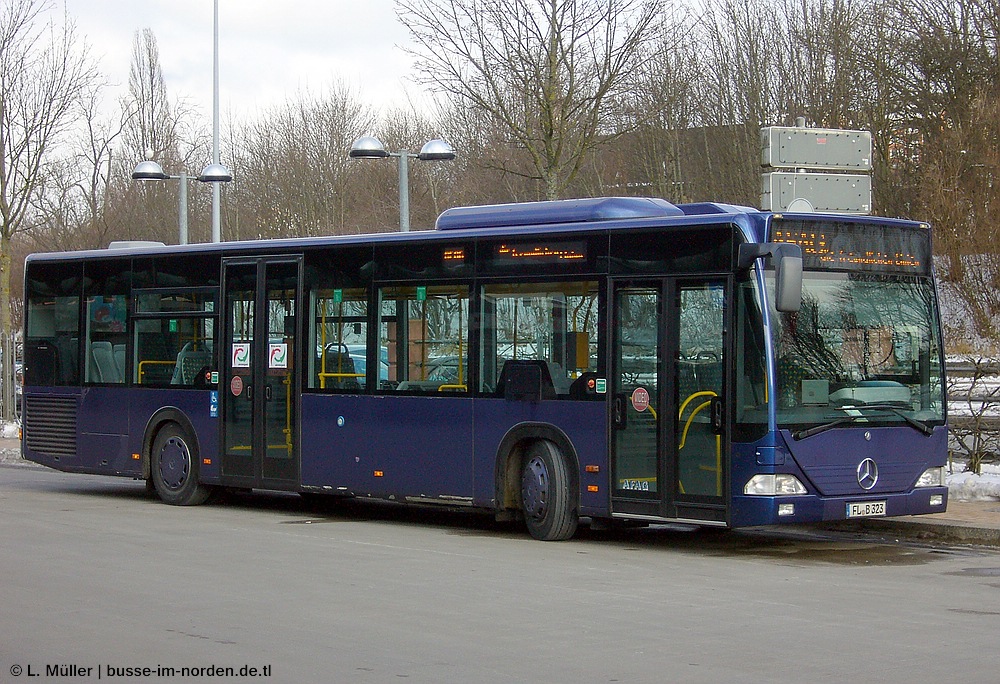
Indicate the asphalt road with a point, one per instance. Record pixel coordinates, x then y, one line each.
98 576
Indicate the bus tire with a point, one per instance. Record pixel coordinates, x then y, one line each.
547 499
174 467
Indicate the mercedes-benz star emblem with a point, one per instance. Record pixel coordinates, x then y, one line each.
867 474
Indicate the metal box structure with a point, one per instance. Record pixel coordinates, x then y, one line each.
785 147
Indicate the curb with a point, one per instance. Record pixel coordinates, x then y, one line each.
946 531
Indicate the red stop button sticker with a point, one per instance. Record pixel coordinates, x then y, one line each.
640 399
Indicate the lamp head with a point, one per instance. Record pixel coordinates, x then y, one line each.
368 147
215 173
148 170
436 150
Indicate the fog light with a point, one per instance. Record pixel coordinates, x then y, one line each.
937 499
786 509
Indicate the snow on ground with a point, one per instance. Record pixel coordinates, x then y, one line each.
963 486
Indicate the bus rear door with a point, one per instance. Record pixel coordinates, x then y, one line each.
667 399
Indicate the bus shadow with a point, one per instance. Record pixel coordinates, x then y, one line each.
796 546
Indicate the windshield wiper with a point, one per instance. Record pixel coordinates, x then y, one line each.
815 430
923 428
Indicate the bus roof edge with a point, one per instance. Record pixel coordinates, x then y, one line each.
134 244
555 211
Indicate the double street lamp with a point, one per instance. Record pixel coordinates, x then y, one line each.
213 173
368 147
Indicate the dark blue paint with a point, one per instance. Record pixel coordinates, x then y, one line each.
112 423
583 422
436 447
194 405
830 459
763 510
420 445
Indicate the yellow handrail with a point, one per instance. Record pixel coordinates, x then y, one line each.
341 375
718 438
705 393
142 371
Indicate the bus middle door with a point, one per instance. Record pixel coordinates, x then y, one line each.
667 412
259 388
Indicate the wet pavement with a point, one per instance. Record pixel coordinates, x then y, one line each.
965 522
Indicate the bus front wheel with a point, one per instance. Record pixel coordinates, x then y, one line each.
174 467
546 493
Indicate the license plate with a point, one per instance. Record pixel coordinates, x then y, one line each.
865 509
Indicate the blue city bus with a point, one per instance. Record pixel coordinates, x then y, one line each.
612 359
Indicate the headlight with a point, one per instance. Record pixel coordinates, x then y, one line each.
774 485
932 477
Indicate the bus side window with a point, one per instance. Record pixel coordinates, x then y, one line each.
52 346
554 324
425 331
174 338
106 301
340 336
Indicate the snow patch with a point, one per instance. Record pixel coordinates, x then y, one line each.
966 486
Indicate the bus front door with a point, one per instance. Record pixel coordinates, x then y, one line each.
258 391
667 393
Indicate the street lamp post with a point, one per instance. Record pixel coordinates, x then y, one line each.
213 173
368 147
216 188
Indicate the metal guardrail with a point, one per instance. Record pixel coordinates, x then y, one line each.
973 418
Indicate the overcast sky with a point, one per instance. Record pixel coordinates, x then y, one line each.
269 50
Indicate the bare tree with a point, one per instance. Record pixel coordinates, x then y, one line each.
550 72
156 131
292 168
44 70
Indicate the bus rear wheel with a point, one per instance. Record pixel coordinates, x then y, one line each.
546 493
174 467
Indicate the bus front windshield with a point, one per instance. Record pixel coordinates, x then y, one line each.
863 346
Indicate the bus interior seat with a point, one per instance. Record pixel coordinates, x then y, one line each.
69 357
341 363
118 352
102 366
41 360
189 362
560 381
526 379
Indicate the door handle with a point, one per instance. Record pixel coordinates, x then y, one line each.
267 392
619 414
718 415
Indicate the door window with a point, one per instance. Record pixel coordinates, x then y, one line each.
700 371
637 390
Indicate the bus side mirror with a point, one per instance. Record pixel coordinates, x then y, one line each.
787 260
787 278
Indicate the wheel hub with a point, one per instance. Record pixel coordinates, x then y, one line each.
535 488
175 463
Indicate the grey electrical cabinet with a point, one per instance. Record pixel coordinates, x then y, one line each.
842 193
816 148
